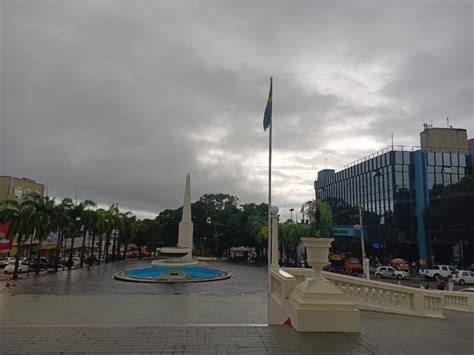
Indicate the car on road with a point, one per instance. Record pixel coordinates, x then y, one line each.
463 277
391 273
4 260
22 267
438 271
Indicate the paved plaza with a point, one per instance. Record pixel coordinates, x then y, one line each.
87 311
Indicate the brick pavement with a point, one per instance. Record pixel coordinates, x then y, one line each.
381 334
180 340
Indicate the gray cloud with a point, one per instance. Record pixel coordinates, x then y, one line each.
120 99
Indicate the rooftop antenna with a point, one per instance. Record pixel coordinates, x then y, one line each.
447 121
392 140
431 123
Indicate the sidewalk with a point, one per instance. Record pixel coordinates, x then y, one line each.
381 334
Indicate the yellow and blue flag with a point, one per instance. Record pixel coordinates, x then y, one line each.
267 117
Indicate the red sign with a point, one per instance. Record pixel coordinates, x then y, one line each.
5 244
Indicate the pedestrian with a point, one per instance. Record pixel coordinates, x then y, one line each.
440 283
450 283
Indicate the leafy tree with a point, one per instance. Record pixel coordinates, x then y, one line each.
42 219
320 216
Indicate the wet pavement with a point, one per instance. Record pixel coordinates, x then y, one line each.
87 311
248 278
381 334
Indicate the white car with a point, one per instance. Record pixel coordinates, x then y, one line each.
22 267
390 272
469 289
438 271
4 261
463 277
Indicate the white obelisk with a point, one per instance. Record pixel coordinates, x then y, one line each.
185 234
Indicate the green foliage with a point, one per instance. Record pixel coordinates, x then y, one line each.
320 217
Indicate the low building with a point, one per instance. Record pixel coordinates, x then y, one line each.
14 188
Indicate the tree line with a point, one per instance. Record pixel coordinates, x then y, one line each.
220 222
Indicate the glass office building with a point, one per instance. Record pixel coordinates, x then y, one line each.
393 187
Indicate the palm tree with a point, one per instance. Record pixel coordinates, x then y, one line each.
258 229
112 219
100 228
320 216
127 228
87 219
43 220
61 221
76 213
19 215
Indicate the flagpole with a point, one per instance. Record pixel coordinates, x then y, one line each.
269 237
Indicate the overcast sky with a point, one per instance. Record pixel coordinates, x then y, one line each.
120 99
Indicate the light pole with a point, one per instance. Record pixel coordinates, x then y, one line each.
365 263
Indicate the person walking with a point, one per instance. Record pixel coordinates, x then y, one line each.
440 283
450 283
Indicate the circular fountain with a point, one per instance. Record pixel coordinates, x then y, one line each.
172 266
176 264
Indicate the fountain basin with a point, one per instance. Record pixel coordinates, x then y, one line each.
174 252
162 274
174 263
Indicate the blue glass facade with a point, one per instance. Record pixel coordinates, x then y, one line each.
393 188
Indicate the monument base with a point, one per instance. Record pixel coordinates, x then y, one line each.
317 305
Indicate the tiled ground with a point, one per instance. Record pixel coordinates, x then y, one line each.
179 340
86 311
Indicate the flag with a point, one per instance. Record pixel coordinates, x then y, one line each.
267 117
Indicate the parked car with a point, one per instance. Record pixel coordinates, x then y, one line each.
391 272
22 267
469 289
5 259
438 271
33 261
463 277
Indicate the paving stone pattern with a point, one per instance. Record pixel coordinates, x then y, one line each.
180 340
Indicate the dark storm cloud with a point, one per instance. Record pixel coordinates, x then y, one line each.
120 99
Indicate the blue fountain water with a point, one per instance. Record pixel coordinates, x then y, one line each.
191 272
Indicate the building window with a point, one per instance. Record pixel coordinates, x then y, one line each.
398 158
454 159
431 160
18 192
446 159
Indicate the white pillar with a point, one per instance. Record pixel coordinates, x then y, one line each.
274 237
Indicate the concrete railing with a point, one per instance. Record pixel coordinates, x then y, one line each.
385 297
281 285
458 301
381 296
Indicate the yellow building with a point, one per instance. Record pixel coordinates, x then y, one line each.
449 140
13 187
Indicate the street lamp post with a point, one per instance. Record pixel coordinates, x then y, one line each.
291 213
365 261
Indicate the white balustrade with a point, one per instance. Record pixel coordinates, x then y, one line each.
385 297
458 301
